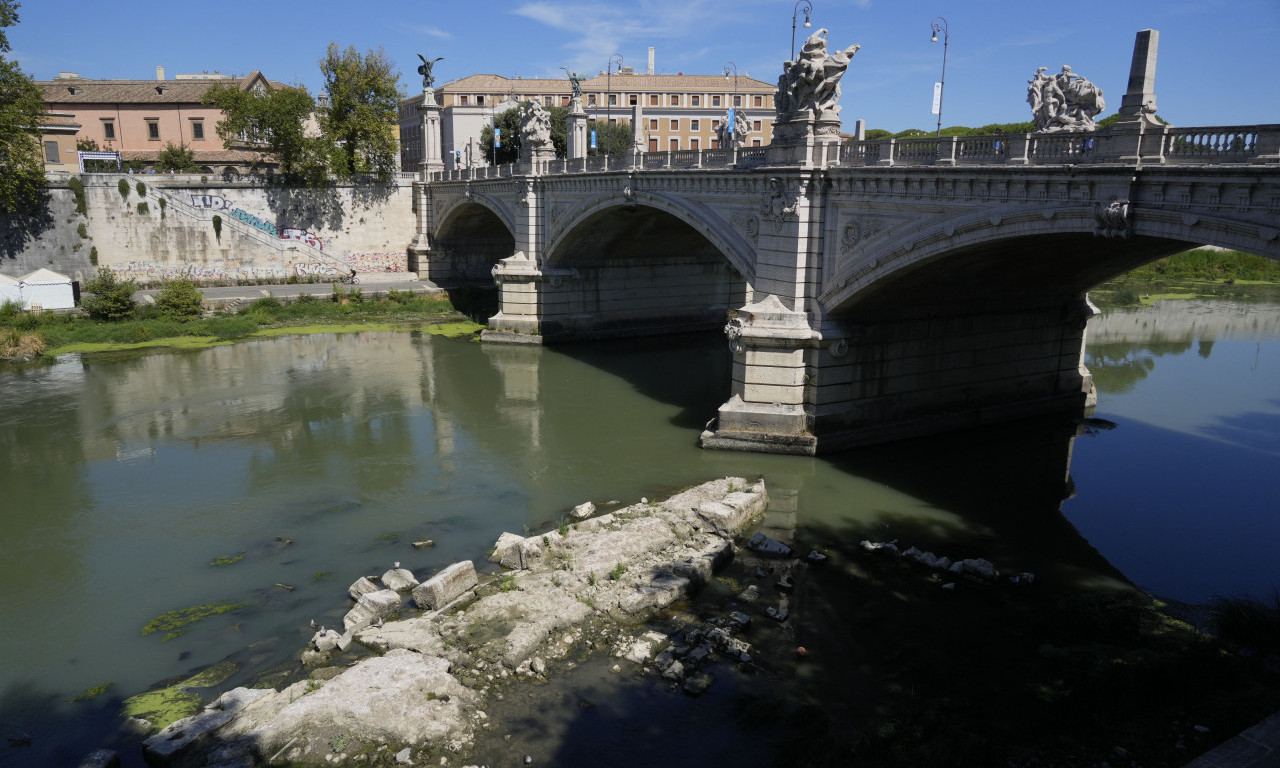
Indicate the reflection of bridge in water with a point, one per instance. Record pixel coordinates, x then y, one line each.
874 290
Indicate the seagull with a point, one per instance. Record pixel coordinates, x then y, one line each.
313 623
397 563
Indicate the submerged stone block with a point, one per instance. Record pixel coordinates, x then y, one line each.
446 586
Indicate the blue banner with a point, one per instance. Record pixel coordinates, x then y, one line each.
593 138
731 121
497 137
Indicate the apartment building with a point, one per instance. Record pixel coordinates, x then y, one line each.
677 111
139 117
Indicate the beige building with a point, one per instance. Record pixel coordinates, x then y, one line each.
677 111
139 117
58 141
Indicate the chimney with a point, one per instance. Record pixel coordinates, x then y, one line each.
159 72
651 59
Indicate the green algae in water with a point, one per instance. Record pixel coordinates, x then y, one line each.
163 706
94 692
174 623
221 561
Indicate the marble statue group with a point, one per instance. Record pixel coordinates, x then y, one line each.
1063 102
810 86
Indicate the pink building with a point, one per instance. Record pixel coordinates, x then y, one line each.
139 118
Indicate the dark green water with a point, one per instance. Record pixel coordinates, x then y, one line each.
123 481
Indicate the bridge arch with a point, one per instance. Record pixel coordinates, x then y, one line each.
472 234
642 264
983 260
698 216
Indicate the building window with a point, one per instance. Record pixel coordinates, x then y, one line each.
715 144
695 101
756 126
564 101
675 125
108 130
480 101
715 101
591 100
613 121
50 152
737 101
462 101
675 100
693 143
197 130
694 125
153 129
653 144
613 99
653 99
633 100
758 101
675 144
653 123
546 101
755 142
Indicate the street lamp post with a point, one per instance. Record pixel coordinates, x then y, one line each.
946 40
608 102
729 66
808 9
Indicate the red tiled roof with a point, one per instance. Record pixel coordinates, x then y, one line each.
82 91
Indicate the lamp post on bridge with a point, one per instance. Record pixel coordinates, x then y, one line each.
808 9
608 103
946 40
729 66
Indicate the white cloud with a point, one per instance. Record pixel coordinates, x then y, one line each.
423 29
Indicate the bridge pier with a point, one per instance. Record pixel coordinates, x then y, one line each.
805 391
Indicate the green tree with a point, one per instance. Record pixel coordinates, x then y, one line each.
180 300
177 158
364 103
277 119
110 298
508 151
616 139
23 189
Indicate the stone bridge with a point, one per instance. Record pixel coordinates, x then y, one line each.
871 291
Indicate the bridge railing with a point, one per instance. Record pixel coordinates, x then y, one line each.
1219 144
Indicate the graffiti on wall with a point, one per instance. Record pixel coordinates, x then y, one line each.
378 262
293 233
212 202
220 271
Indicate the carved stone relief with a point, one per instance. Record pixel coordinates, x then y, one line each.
780 202
1112 219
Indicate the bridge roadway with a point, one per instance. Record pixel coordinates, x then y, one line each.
870 291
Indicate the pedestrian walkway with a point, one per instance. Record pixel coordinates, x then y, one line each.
1257 747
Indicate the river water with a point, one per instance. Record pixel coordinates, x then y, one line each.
301 463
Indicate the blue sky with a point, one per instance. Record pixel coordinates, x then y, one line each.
1216 57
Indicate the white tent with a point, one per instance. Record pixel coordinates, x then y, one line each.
9 289
46 289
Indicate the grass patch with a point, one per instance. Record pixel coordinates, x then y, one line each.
175 623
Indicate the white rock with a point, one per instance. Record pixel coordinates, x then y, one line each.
371 607
362 586
399 579
505 542
586 509
446 586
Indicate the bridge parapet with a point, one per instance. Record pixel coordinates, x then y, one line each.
1166 145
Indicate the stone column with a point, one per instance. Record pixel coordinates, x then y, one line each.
432 139
1139 103
638 146
577 131
421 245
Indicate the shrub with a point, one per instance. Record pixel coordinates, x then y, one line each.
163 204
111 298
180 300
143 209
142 189
82 231
123 186
217 227
77 188
93 255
